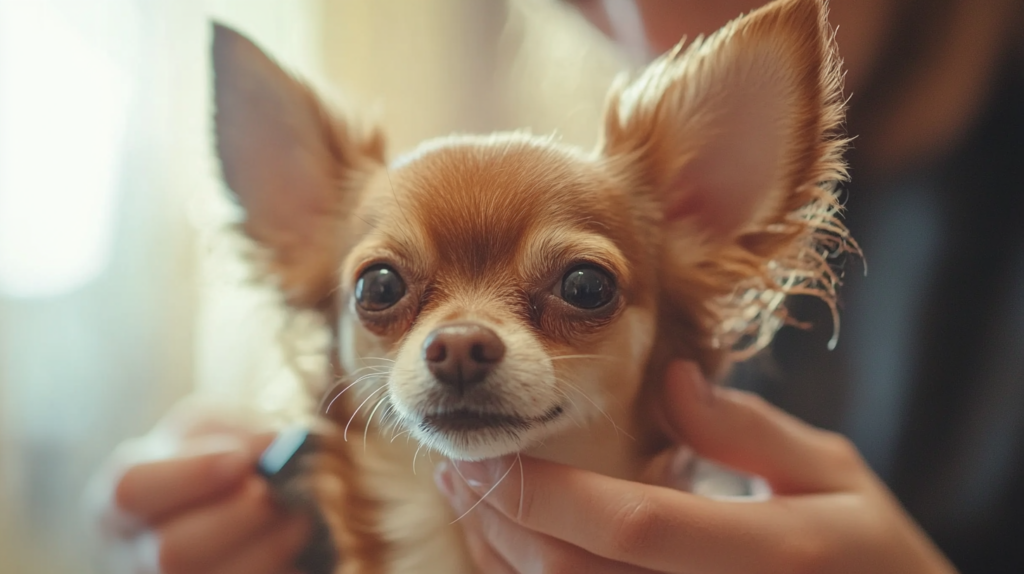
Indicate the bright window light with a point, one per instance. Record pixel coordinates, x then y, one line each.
63 109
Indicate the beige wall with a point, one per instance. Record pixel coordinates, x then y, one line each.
436 66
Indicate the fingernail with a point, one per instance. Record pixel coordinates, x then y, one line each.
478 474
443 478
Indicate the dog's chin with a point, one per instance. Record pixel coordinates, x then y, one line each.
467 434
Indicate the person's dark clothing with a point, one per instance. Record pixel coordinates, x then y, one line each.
928 377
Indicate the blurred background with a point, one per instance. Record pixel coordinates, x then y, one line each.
120 290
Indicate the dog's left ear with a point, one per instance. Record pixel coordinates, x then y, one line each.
732 138
295 168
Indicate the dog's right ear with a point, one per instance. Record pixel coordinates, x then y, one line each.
737 140
295 169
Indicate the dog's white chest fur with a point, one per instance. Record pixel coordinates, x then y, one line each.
416 519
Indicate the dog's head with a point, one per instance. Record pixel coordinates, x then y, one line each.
505 286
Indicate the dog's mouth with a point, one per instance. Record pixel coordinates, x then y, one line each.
461 421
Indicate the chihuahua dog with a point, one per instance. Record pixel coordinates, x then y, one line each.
511 294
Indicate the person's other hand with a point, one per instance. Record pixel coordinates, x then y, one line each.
186 499
829 512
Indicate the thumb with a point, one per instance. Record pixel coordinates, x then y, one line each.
743 431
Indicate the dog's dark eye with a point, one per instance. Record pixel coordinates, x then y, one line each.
587 287
379 287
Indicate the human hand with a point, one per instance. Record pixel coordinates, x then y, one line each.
186 499
829 512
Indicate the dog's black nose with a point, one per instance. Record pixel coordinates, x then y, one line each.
461 355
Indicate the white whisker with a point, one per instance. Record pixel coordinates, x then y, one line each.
459 472
375 368
574 406
352 384
377 359
522 486
415 454
563 357
486 494
386 422
366 429
355 412
602 411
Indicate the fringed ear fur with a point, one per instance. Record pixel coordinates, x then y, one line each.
735 139
293 167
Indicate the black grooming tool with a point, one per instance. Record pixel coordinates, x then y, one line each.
284 465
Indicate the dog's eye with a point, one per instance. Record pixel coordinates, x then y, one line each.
587 287
379 287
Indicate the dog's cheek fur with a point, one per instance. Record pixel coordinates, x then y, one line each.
359 344
604 431
609 371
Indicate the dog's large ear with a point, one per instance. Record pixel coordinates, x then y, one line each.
734 138
294 168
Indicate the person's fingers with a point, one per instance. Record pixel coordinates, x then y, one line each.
272 552
521 550
258 442
745 432
198 416
481 553
485 558
634 523
199 539
153 490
